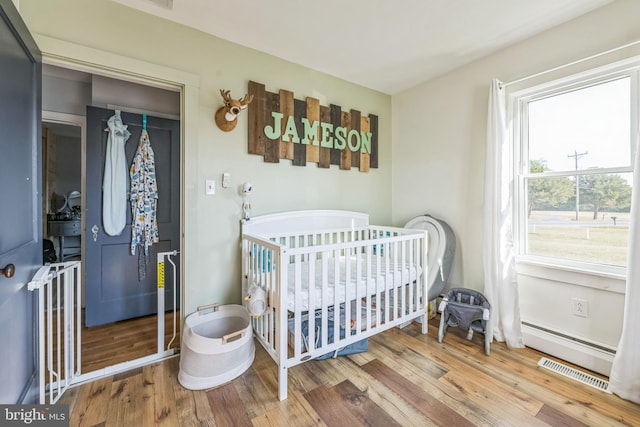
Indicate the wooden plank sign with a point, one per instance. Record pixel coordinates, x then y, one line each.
336 121
365 158
299 150
313 116
255 134
324 157
286 108
355 125
345 155
271 146
303 131
373 124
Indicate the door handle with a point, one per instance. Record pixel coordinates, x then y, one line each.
8 271
95 230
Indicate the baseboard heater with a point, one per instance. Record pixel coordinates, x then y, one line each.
592 356
568 337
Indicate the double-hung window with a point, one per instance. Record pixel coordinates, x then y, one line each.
575 147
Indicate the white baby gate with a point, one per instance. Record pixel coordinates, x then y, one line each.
59 326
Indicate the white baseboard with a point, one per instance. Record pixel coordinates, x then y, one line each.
577 352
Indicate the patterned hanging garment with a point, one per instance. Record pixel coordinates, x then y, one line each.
144 203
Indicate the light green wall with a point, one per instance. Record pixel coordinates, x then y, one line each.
443 123
211 241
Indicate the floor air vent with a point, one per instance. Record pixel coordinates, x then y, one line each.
572 373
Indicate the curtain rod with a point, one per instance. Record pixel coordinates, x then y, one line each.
559 67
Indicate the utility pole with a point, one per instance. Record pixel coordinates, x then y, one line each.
576 156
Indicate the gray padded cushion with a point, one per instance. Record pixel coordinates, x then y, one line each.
465 306
439 231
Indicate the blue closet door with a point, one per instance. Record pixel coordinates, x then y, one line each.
113 291
20 209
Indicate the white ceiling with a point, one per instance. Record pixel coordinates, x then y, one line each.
387 45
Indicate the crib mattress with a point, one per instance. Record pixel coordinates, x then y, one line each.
369 284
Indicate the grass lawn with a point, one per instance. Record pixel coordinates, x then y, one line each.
597 241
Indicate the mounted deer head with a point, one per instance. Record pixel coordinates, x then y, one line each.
227 115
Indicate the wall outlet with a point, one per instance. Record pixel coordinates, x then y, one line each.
579 307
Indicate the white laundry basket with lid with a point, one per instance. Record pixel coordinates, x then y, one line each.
217 346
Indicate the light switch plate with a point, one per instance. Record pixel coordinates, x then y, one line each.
210 187
226 177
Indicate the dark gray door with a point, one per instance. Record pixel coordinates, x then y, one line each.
113 291
20 221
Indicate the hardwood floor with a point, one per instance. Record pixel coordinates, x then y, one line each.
405 379
118 342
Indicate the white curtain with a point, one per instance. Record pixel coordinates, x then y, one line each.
625 372
500 282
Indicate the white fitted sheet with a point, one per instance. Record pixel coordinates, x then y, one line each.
369 284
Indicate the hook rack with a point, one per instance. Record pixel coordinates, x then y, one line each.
144 122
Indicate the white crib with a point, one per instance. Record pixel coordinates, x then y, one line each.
335 267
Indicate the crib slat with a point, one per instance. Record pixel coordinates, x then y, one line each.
377 301
387 292
412 303
395 295
324 326
347 283
310 290
335 256
359 295
272 291
403 304
297 313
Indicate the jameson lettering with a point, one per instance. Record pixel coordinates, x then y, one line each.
330 137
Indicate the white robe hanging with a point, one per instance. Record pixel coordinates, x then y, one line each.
114 185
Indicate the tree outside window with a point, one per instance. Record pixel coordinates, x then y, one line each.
576 140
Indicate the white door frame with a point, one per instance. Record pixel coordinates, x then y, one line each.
81 58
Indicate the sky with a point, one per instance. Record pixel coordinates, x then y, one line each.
593 122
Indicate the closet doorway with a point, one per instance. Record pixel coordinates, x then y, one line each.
67 96
62 186
122 283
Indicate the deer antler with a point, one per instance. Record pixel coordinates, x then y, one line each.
245 100
225 95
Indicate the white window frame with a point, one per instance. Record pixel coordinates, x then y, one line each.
571 271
